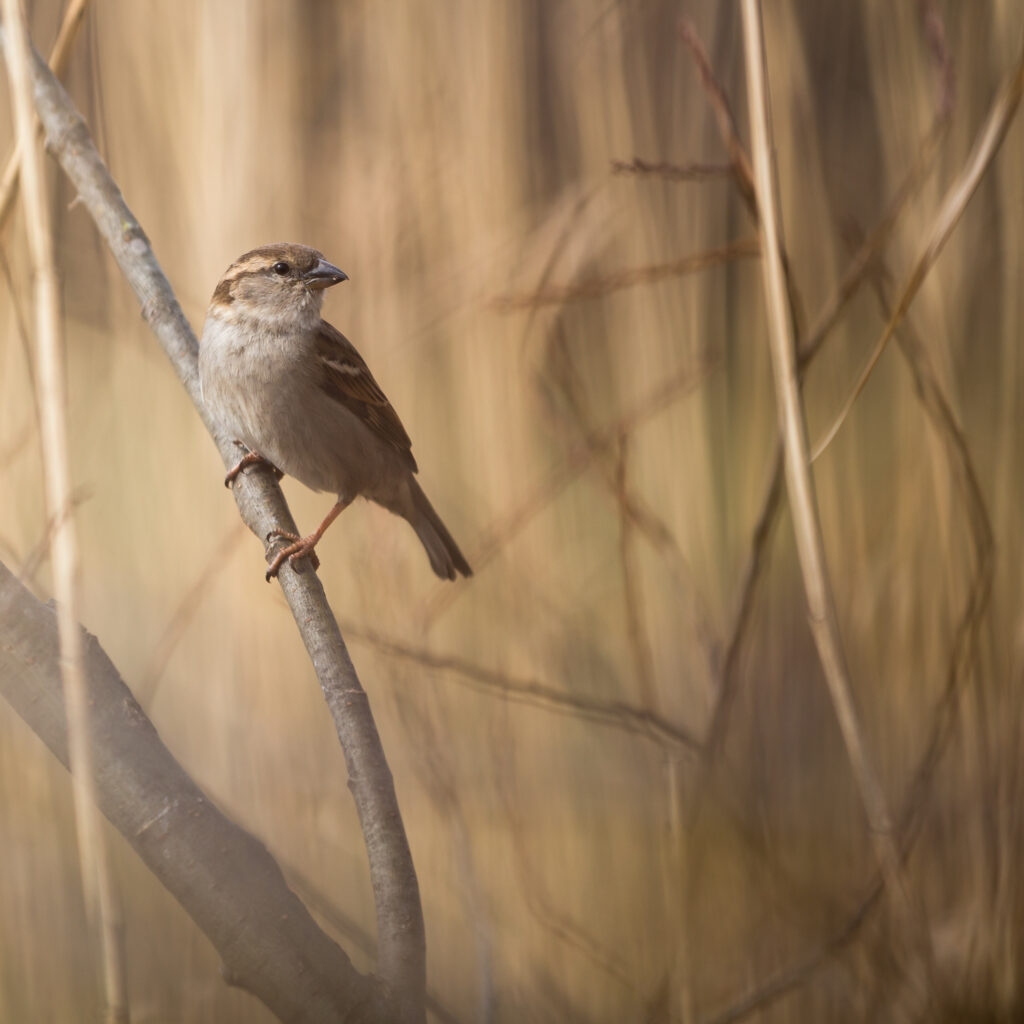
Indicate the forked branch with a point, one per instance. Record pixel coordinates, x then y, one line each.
401 943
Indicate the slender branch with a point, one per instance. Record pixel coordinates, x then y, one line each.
97 878
401 942
722 109
799 485
862 260
612 713
595 287
184 612
715 733
955 201
632 586
572 464
223 877
672 172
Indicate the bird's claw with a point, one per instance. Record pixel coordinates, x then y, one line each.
300 547
249 459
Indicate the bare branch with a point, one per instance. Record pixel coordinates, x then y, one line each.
742 171
595 287
223 877
611 713
537 893
402 955
672 172
714 736
186 608
572 464
955 201
872 244
632 586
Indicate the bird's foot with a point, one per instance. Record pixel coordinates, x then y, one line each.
249 459
301 547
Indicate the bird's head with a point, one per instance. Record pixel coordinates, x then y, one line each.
278 285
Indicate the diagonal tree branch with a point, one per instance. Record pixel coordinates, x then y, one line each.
223 877
401 941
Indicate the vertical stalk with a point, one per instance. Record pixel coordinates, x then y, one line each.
96 876
807 526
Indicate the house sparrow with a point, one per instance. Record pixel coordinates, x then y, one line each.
294 392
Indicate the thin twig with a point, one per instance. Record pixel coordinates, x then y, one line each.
149 681
23 337
632 586
97 878
876 239
611 713
540 901
17 444
714 736
572 464
672 172
37 555
743 173
596 287
742 170
955 201
800 487
634 513
58 62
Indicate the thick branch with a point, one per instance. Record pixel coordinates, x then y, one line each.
402 959
221 875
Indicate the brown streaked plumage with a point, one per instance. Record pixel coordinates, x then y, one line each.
294 391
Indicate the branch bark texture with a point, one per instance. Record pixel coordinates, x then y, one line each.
223 877
401 943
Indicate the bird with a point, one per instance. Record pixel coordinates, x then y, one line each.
292 392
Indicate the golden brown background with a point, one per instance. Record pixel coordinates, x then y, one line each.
446 155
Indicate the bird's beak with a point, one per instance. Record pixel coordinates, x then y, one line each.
323 275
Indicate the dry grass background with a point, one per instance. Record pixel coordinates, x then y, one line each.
576 863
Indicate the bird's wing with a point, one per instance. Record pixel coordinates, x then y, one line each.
347 379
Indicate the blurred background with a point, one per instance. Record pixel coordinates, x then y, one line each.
597 429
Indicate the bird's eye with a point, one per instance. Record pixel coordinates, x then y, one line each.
281 268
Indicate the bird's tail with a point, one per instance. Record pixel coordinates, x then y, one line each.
445 557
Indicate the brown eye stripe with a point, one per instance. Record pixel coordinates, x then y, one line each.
258 261
222 293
